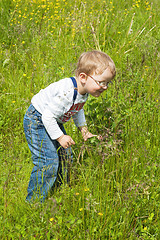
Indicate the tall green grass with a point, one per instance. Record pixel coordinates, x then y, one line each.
114 191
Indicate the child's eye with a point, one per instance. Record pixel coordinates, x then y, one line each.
103 84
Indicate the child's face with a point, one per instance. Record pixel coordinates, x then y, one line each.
95 84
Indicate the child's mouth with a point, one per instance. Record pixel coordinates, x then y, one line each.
100 91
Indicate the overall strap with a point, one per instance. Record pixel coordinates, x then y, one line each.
75 88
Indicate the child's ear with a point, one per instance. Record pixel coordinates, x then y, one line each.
83 77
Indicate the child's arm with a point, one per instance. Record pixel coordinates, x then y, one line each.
86 134
65 141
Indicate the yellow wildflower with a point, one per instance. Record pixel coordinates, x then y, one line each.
100 214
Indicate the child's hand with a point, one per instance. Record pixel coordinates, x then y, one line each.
65 141
90 135
86 134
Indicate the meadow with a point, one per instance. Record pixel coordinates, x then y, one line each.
114 190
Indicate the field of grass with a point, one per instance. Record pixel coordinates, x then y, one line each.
115 184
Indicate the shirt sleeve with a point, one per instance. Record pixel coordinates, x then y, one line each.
51 124
79 118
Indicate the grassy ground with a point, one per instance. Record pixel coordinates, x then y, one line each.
114 191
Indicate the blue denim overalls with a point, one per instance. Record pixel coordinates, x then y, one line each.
48 156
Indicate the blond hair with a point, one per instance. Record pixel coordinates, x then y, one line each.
95 62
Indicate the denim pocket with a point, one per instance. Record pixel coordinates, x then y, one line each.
34 115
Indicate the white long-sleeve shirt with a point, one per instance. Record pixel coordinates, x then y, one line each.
55 103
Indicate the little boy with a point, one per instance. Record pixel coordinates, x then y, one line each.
51 108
